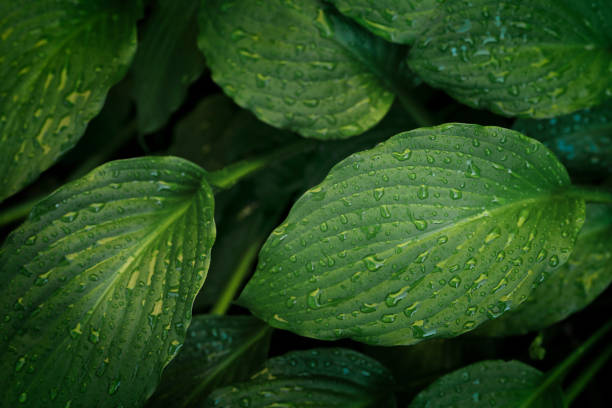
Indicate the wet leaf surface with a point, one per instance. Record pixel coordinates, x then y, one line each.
426 235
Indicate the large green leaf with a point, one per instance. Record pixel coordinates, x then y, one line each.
167 62
489 384
218 350
97 285
394 20
577 283
320 378
582 140
299 65
534 58
58 59
428 234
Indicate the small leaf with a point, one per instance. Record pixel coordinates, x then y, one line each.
487 384
298 65
426 235
167 62
582 140
397 21
526 58
97 285
218 350
574 286
323 378
58 60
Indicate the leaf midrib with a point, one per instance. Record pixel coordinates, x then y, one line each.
428 235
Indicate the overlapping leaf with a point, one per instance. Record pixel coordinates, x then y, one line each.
57 61
488 384
217 133
428 234
576 284
299 65
323 378
167 62
394 20
218 350
527 58
97 286
582 140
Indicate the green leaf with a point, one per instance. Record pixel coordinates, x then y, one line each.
218 133
167 62
58 59
574 286
582 140
394 20
218 350
97 285
323 378
529 58
426 235
487 384
298 65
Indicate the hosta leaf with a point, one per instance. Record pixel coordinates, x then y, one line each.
323 378
167 62
218 350
218 133
394 20
97 285
298 65
428 234
534 58
487 384
577 283
58 59
582 140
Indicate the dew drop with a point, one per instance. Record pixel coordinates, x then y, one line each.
472 170
378 193
401 156
372 263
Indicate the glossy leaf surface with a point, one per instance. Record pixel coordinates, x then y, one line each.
97 285
582 140
323 378
317 73
487 384
218 350
428 234
167 62
576 284
394 20
58 60
529 58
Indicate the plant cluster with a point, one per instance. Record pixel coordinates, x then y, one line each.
425 182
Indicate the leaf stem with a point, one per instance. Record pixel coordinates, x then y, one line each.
238 276
591 195
558 373
230 175
585 377
420 115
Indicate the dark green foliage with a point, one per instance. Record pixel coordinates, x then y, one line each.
334 153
